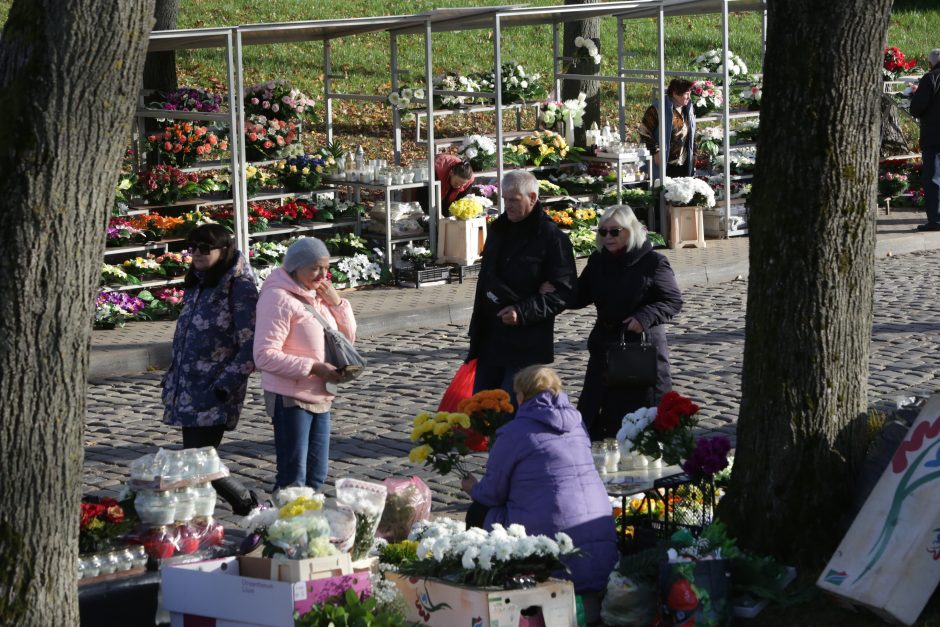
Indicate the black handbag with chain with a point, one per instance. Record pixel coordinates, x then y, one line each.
631 365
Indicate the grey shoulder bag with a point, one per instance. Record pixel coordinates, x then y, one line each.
340 352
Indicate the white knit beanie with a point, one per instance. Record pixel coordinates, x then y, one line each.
304 252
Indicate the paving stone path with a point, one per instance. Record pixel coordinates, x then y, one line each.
410 370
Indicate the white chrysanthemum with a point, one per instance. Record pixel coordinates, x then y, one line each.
565 544
394 99
516 531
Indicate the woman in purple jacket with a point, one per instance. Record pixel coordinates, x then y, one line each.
541 475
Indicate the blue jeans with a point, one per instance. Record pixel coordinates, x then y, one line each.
302 446
493 377
930 177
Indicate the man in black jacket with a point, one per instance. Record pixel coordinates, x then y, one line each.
925 105
513 324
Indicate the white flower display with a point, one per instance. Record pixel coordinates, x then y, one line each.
632 424
301 537
453 82
360 269
710 133
285 495
683 191
589 47
711 62
742 159
479 150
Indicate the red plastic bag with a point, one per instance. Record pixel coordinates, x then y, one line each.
460 387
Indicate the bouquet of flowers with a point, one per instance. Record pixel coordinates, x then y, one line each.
454 82
101 523
709 141
554 111
711 62
583 241
182 143
895 64
466 208
302 173
752 95
267 137
545 147
296 528
743 160
266 253
474 557
892 184
143 266
278 100
685 191
479 151
256 179
187 99
488 410
356 270
664 431
154 225
174 264
367 500
518 86
115 275
113 309
586 48
706 97
442 439
165 184
346 244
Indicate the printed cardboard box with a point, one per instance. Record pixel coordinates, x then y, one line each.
889 561
295 570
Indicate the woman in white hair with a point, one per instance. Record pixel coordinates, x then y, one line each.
289 350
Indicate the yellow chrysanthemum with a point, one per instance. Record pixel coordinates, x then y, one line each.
419 453
441 428
421 418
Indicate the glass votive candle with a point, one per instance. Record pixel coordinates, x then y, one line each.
92 566
599 454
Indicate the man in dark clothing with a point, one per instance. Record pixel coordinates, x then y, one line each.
925 106
513 325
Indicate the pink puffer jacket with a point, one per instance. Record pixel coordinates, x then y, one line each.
289 340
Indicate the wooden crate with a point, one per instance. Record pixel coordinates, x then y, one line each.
686 227
461 241
889 561
296 570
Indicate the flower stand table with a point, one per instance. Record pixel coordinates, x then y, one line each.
686 227
461 241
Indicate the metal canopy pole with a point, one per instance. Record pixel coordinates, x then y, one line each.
663 146
497 59
622 86
726 114
237 142
434 202
555 62
396 116
328 89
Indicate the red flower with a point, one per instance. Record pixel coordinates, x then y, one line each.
114 514
475 441
672 408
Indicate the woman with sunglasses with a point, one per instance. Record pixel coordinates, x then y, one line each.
635 291
299 385
205 385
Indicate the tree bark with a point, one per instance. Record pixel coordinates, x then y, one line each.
893 141
160 67
803 416
69 75
589 29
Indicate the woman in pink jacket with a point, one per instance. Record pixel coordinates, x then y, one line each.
298 384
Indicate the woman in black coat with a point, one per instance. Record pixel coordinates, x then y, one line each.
634 288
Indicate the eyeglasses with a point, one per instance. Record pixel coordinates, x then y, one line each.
612 232
205 249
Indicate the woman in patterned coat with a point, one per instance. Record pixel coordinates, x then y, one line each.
205 385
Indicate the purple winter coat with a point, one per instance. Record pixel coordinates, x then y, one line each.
541 475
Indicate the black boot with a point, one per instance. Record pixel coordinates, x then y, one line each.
240 498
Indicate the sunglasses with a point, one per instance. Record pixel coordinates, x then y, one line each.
205 249
612 232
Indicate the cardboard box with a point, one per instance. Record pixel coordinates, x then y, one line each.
214 594
295 570
439 604
889 561
461 241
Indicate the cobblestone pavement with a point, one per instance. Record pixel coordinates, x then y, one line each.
409 371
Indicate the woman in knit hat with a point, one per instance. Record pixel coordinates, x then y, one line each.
299 386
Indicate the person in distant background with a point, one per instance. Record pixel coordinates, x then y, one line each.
680 130
456 177
925 106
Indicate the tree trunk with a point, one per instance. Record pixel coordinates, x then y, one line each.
589 29
160 67
69 75
893 141
803 416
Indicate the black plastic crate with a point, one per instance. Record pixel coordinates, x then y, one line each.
411 277
463 272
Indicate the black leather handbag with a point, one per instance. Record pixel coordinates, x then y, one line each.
631 365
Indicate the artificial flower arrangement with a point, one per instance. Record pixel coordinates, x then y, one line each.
660 432
454 82
346 244
155 225
554 111
143 267
686 191
166 184
278 100
892 184
183 143
301 173
448 550
115 275
357 269
267 137
466 208
418 256
488 410
585 48
479 151
518 86
711 62
102 522
113 309
743 160
895 64
753 94
706 97
187 99
175 264
266 253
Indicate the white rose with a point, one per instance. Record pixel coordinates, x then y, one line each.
524 84
579 41
419 94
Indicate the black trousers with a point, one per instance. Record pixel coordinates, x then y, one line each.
229 488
